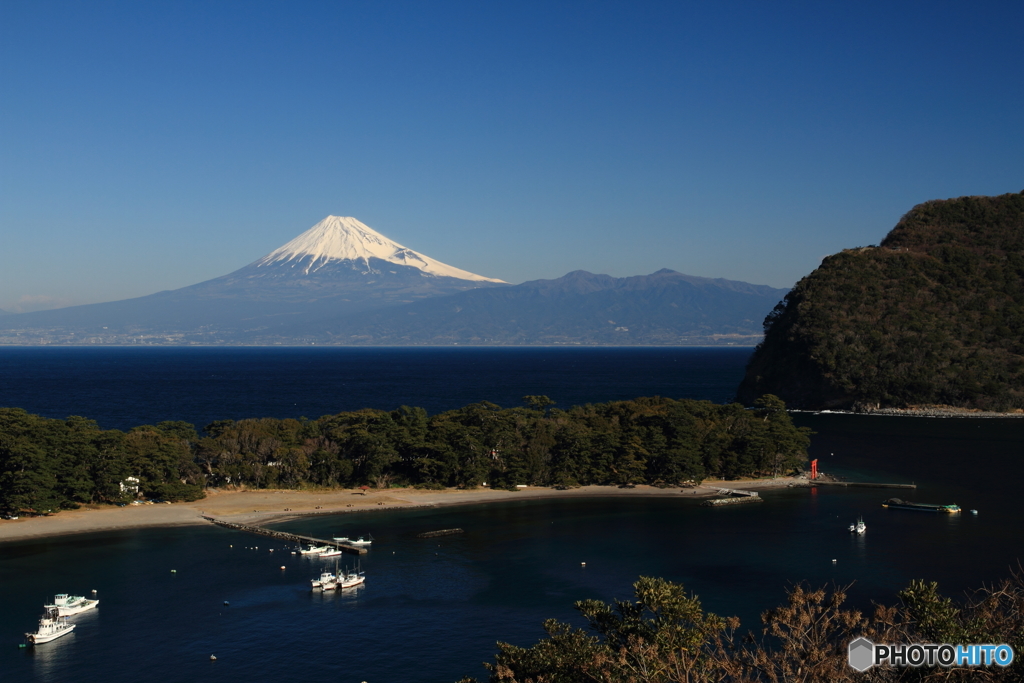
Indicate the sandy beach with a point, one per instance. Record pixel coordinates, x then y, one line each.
264 506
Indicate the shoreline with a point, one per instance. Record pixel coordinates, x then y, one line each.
273 506
936 412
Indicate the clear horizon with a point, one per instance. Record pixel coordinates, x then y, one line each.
153 146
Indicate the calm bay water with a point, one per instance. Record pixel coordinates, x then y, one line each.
432 609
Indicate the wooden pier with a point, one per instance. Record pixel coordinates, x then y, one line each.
285 536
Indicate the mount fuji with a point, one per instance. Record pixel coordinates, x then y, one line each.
344 243
338 267
343 283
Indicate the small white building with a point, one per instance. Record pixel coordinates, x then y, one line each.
130 485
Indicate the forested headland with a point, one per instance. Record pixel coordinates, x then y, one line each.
48 464
934 315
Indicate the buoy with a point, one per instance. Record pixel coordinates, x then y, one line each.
833 561
226 603
94 591
293 552
22 645
583 564
174 571
231 546
974 512
213 658
282 567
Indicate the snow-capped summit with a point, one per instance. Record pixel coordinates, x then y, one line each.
343 238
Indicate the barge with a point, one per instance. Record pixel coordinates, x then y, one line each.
900 504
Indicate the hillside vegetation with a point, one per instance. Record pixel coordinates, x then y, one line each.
666 636
933 315
48 464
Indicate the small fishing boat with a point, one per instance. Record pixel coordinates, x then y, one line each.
361 542
333 552
67 605
325 578
899 504
315 550
351 580
341 539
51 627
859 526
340 579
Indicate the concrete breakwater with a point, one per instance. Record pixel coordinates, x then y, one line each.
740 500
736 497
863 484
440 532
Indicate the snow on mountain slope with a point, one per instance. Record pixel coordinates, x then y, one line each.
342 238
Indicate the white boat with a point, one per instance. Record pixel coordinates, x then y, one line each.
51 627
859 527
325 578
333 552
347 580
341 579
360 541
315 550
66 605
341 539
350 580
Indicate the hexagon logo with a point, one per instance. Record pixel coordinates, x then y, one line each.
861 654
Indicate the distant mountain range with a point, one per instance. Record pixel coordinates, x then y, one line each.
665 307
341 282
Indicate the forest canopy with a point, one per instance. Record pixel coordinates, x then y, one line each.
49 464
933 315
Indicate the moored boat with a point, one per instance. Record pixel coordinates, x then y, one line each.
67 605
859 526
333 552
326 578
315 550
51 627
342 579
899 504
350 580
361 542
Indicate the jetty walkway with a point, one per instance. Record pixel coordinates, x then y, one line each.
735 497
285 536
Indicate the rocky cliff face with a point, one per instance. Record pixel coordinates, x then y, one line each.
933 315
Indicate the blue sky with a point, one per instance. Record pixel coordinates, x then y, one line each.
151 145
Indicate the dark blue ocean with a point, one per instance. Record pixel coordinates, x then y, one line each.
124 387
431 610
